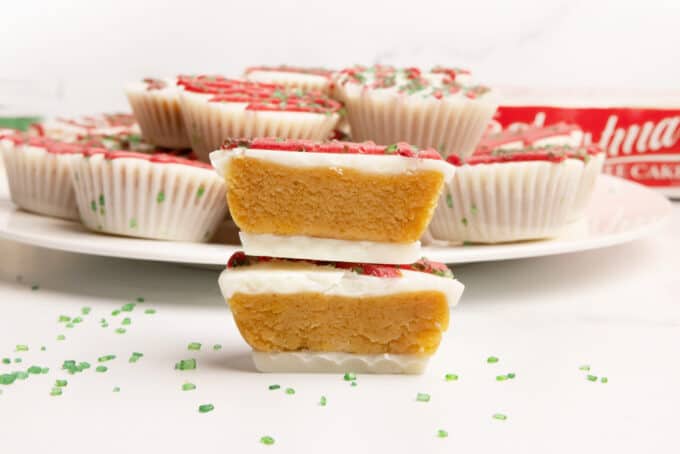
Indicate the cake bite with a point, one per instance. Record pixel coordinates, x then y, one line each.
511 194
441 108
308 79
156 196
155 103
216 108
301 316
340 201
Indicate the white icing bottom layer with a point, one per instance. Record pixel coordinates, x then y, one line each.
322 362
310 248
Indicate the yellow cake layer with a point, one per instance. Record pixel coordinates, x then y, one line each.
402 323
347 204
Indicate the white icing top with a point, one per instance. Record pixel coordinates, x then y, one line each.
288 78
171 90
379 164
291 277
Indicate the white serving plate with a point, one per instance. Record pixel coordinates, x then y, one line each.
620 211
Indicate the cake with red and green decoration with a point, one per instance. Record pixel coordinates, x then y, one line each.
311 316
74 129
332 200
441 108
216 108
155 103
38 174
511 194
157 196
308 79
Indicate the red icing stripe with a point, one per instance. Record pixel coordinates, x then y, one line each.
333 146
157 158
548 153
240 259
527 136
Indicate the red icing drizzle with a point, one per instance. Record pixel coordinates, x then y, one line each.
157 158
259 96
154 84
548 153
239 259
293 69
527 136
333 146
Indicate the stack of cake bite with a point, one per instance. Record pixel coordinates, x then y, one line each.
331 277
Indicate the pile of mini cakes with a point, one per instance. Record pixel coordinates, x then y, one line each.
330 278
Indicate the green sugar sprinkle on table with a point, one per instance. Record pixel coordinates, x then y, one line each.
323 401
290 391
115 312
267 440
60 383
349 376
140 299
150 311
205 408
78 320
585 367
422 397
120 330
56 392
8 379
499 416
188 387
61 337
6 360
604 380
21 375
64 318
591 377
105 358
126 321
85 310
101 369
491 360
217 347
195 346
35 287
135 357
128 307
186 364
34 370
441 433
273 387
451 377
116 389
21 348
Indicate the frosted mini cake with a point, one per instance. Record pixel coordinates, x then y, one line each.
308 79
302 316
337 201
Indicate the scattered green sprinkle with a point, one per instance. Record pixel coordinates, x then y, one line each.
115 312
511 375
491 359
44 370
186 364
133 223
60 383
6 360
217 347
93 205
585 367
70 325
150 311
78 320
194 346
101 369
140 299
85 310
499 416
200 192
22 348
101 199
451 377
126 321
205 408
273 387
604 380
43 348
449 200
8 379
105 358
349 376
116 389
17 360
501 377
473 209
290 391
423 397
591 377
128 307
35 287
56 392
354 383
323 401
64 318
22 375
135 357
464 221
120 330
160 197
188 387
61 337
34 370
267 440
441 433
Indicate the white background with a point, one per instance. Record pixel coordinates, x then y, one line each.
75 56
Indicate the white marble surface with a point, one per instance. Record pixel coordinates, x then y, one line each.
616 309
68 57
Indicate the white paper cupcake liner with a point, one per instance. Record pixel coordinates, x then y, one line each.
327 362
39 181
159 116
134 197
493 203
210 123
587 185
452 126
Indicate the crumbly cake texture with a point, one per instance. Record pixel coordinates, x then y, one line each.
157 196
440 108
155 103
38 175
216 108
308 79
558 134
336 190
290 306
512 195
